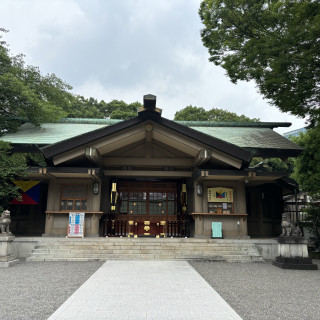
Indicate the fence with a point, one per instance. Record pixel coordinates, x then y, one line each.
178 228
120 228
296 210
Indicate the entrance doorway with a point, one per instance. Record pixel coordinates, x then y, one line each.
147 208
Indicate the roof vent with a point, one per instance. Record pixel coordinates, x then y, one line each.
149 101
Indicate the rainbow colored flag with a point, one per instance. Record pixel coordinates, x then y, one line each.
31 192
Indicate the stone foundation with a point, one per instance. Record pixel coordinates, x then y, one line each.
7 256
293 254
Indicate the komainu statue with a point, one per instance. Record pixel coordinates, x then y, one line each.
288 227
5 222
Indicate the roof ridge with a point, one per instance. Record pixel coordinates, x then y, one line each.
187 123
89 121
270 125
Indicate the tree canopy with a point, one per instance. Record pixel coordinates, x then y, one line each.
307 174
92 108
191 113
273 164
27 94
276 43
307 165
11 166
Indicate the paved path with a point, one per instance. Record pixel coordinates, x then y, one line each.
145 290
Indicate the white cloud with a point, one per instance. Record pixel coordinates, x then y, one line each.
32 23
123 49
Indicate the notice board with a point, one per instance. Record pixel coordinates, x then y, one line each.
216 230
76 225
220 194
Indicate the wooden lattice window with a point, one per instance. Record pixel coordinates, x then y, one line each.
148 198
74 197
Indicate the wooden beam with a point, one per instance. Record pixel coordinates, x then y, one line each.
93 155
226 159
132 173
184 146
172 162
202 157
68 156
119 141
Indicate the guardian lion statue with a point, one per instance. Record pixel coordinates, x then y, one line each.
288 227
5 222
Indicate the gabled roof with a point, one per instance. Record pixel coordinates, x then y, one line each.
260 141
256 137
80 140
50 133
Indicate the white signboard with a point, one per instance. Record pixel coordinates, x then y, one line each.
76 224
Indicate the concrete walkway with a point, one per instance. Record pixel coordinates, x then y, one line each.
145 290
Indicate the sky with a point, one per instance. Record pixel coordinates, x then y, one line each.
124 49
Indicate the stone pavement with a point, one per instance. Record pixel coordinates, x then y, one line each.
145 290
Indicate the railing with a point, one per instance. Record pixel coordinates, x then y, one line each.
115 228
178 228
293 208
120 228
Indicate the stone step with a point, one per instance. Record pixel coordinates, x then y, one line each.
133 241
148 246
104 255
176 251
233 258
145 249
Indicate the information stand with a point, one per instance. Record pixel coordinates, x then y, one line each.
76 225
216 230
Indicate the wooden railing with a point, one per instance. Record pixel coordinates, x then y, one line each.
178 228
115 228
121 228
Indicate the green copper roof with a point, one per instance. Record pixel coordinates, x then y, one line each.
249 135
49 133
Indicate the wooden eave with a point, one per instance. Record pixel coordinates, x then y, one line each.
64 172
251 177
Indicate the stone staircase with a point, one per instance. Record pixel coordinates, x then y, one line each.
102 249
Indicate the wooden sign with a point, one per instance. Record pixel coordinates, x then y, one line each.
220 194
76 225
216 230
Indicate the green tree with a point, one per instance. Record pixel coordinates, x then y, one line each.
84 108
12 166
118 109
312 220
307 165
91 108
26 94
273 164
307 174
276 43
191 113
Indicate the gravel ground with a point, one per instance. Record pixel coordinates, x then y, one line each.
34 290
262 291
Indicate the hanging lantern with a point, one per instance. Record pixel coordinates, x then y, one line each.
114 196
184 197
